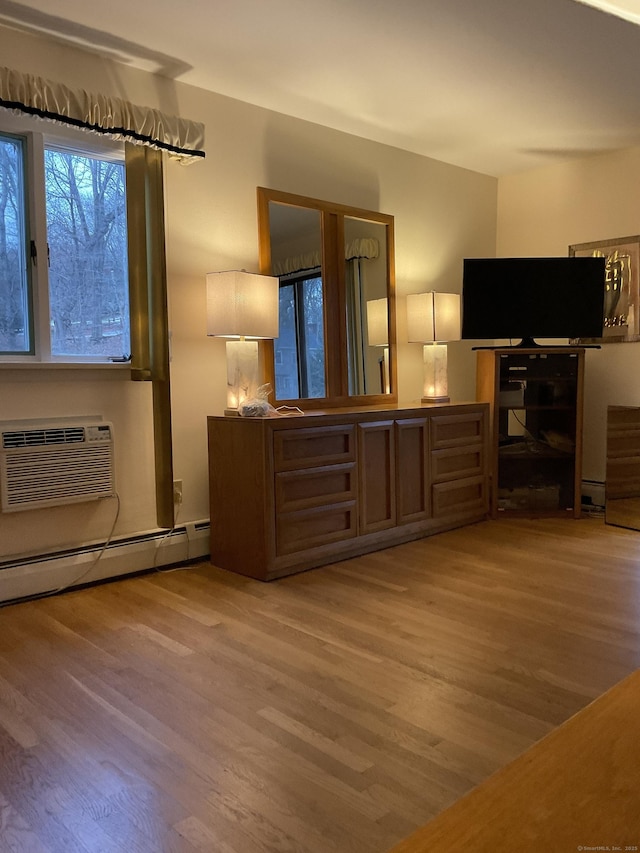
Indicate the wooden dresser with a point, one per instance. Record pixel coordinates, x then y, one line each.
292 493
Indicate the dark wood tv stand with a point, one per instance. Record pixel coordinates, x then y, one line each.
535 395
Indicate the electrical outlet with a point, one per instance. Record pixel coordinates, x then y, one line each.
177 491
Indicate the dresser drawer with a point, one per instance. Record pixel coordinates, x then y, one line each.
310 487
311 528
453 463
311 448
459 496
455 430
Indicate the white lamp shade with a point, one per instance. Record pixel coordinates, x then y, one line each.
378 322
242 304
433 317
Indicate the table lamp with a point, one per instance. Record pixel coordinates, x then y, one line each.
434 318
378 335
243 307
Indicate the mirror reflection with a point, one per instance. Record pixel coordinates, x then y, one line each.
366 284
335 273
622 501
296 259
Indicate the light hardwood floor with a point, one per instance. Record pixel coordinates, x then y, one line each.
336 710
576 789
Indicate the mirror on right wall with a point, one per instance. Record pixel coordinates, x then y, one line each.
622 486
335 265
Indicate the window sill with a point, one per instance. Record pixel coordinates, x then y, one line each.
64 365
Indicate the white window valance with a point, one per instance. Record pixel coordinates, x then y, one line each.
297 263
115 117
366 248
362 247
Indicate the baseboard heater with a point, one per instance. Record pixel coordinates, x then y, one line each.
32 576
593 493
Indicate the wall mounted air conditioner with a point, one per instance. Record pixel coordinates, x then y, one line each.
56 463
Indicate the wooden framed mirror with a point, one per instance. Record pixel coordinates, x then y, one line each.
335 263
622 486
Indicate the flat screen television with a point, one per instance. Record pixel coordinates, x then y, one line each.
530 298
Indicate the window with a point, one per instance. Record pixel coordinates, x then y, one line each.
300 347
64 292
15 334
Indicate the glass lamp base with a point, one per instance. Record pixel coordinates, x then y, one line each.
243 373
435 374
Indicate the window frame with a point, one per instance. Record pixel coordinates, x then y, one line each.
23 142
37 135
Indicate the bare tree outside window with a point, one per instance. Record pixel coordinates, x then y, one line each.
87 236
64 294
299 348
14 319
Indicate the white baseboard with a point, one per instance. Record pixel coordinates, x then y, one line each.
135 554
594 491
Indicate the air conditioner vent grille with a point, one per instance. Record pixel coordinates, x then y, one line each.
53 465
39 437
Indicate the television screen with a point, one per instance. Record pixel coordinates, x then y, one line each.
531 298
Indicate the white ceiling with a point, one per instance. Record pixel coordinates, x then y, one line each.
496 86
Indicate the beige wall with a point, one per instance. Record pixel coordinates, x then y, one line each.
543 212
442 213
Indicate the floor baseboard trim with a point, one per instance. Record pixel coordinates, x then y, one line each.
48 573
593 492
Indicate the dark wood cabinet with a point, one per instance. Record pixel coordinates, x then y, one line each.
536 399
288 494
376 469
413 495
